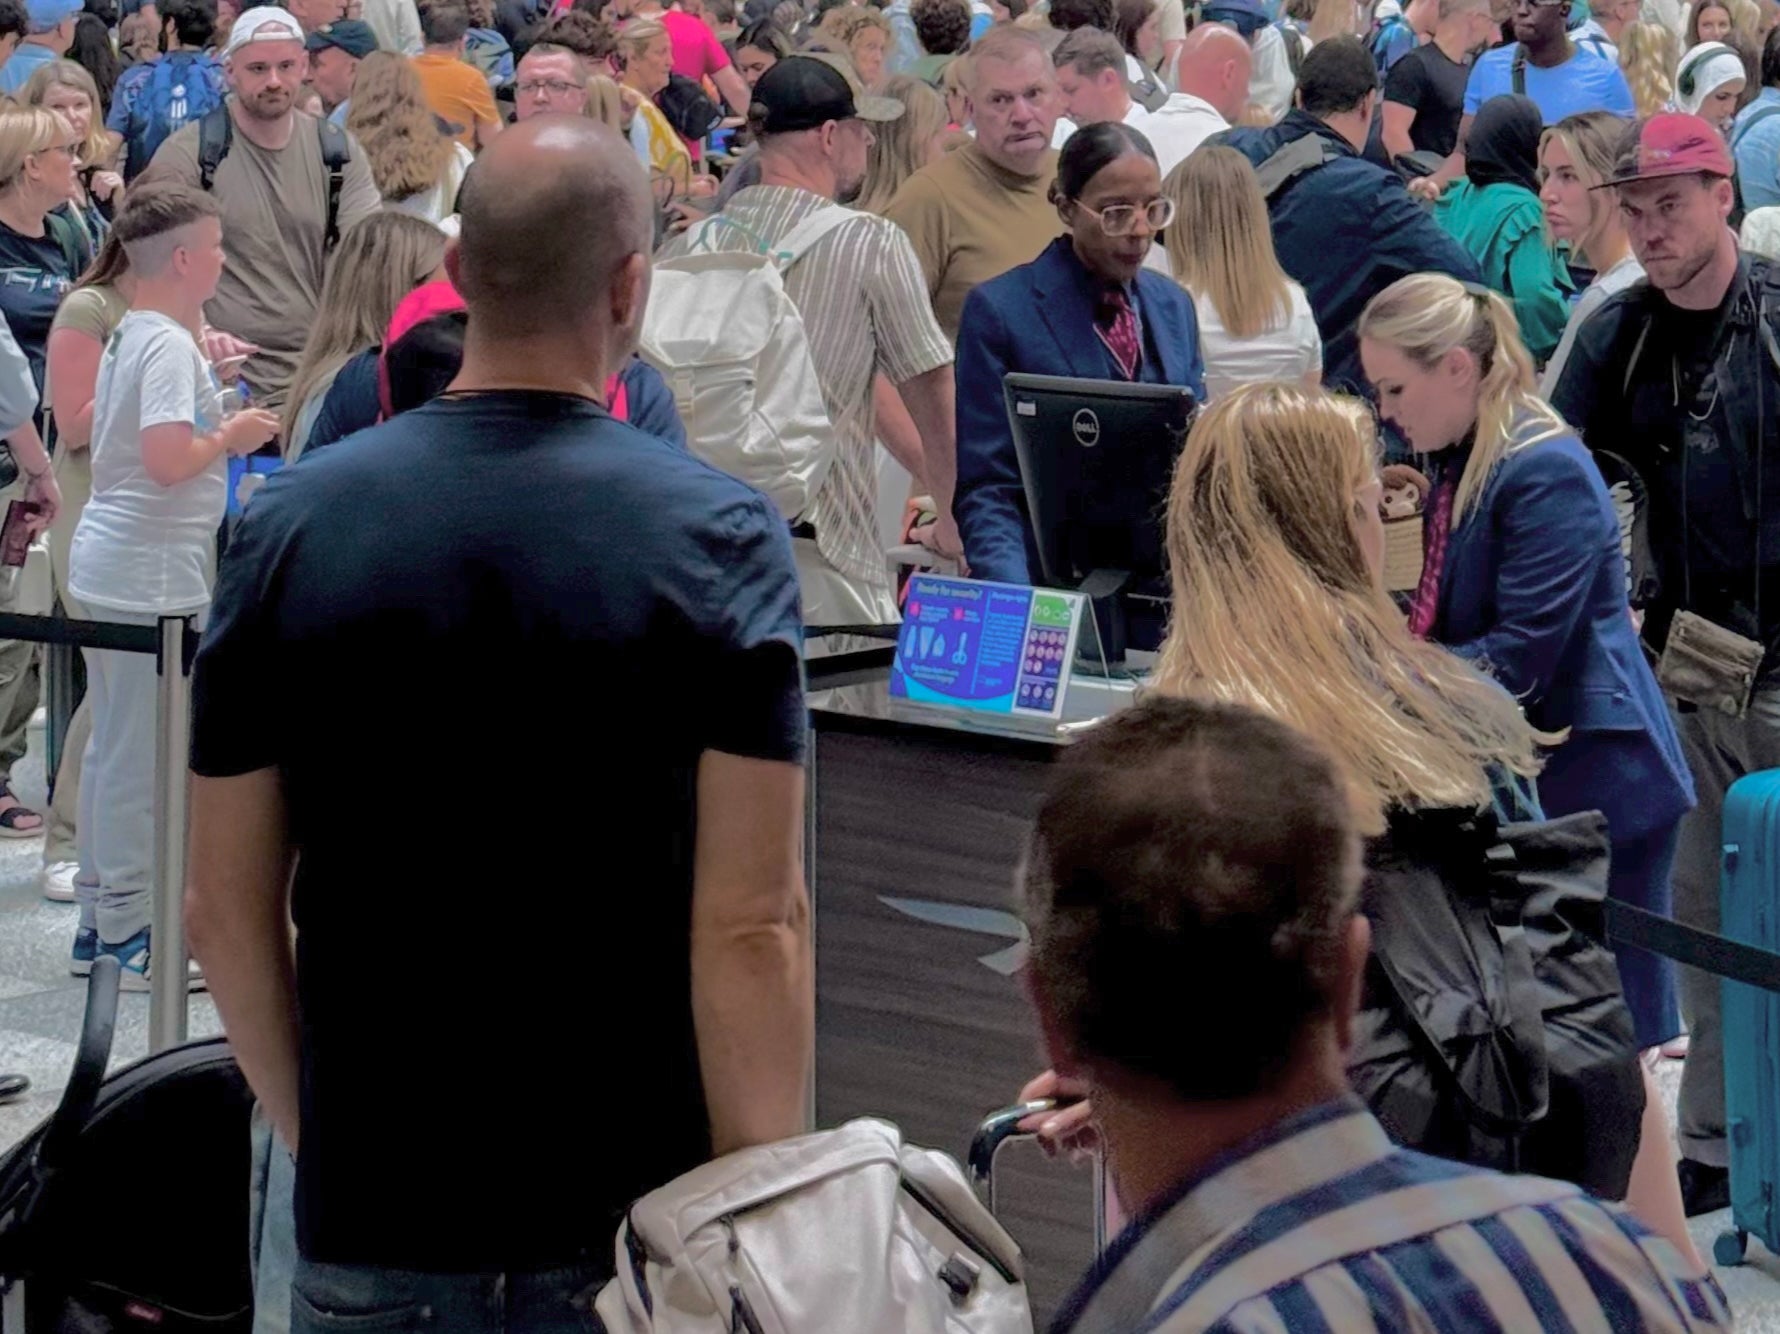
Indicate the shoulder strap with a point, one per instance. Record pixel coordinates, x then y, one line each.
1517 71
336 152
63 231
216 135
1289 163
801 238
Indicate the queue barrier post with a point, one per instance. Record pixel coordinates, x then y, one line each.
167 992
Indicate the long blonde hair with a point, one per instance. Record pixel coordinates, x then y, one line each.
1220 247
404 147
1332 18
101 145
380 259
1647 57
900 146
1591 138
1427 315
1275 608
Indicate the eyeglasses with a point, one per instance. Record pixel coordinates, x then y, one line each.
554 87
1121 219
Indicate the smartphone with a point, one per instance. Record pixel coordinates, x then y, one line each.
15 533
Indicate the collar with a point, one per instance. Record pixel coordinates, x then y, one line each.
1091 286
1302 1152
973 154
1302 122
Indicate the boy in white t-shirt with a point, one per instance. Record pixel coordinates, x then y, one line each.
145 543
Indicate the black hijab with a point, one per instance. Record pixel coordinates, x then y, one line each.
1504 143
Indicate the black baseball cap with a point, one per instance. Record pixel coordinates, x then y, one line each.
803 92
353 36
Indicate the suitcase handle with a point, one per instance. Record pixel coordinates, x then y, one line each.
1000 1127
90 1061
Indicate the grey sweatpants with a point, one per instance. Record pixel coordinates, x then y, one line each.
1719 750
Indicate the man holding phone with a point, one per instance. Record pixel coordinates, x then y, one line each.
143 548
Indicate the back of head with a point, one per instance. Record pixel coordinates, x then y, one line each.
1648 55
634 38
1451 9
942 26
14 20
1503 145
194 21
1226 257
152 223
1214 64
1187 852
899 147
580 32
764 35
390 117
1068 15
1006 44
444 22
1089 51
1275 607
1337 75
549 213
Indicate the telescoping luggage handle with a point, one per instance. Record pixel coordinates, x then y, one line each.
1000 1127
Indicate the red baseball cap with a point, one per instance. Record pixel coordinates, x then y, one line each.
1673 144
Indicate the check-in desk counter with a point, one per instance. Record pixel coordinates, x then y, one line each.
916 826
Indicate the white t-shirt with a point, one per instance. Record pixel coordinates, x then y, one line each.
1289 351
1621 276
140 546
1177 127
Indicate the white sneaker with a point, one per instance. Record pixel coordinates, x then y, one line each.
58 881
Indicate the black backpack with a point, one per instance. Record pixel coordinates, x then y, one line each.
688 110
216 135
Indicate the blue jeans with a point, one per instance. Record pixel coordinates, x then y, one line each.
332 1299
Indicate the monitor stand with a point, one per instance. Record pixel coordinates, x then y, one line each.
1103 652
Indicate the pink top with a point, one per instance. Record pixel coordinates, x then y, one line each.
697 52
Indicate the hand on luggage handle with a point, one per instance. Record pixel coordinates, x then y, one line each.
93 1056
1001 1126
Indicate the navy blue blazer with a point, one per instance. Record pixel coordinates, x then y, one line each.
1533 590
1039 319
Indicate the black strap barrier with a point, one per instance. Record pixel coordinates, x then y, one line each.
112 635
1699 949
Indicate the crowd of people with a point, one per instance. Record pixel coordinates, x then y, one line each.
472 282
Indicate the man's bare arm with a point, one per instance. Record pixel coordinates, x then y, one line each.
931 401
753 990
237 918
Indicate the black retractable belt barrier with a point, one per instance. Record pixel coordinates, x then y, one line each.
1699 949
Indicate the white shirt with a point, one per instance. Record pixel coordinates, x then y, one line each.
140 546
1177 127
1621 276
1288 351
1271 81
439 204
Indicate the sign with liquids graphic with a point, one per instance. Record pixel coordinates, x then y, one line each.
986 648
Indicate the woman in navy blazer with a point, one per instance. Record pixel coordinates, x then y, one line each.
1086 308
1523 573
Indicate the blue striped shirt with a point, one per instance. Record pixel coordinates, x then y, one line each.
1322 1224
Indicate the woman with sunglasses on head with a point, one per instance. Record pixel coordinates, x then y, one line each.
1086 307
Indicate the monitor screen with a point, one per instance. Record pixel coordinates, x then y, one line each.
1096 458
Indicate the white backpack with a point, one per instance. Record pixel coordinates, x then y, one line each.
846 1231
732 348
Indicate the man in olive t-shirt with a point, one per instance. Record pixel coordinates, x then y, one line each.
273 190
984 209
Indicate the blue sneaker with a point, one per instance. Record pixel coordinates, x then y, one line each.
86 949
134 959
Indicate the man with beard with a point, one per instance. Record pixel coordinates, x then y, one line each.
273 186
865 310
1679 376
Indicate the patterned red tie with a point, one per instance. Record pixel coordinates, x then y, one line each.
1435 532
1117 327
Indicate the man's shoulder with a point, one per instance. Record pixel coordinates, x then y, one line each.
932 182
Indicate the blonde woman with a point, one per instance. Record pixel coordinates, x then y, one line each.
1524 575
380 260
865 33
1575 156
417 167
903 146
647 54
68 90
1648 54
1254 322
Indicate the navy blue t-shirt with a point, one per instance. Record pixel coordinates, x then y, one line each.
486 647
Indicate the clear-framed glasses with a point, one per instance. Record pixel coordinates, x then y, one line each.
1121 219
554 87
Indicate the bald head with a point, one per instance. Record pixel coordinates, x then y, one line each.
1214 64
555 214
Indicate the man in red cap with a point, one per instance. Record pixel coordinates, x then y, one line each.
1679 377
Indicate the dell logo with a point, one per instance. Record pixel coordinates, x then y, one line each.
1086 427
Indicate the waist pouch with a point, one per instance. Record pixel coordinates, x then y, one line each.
1706 665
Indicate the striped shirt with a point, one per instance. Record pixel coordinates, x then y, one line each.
1322 1224
863 301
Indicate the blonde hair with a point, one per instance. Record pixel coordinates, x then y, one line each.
605 102
390 117
1224 254
1332 18
101 145
1648 56
635 36
1426 316
1275 608
380 259
900 145
24 131
1746 21
858 20
1591 138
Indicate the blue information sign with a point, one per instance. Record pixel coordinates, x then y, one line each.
987 648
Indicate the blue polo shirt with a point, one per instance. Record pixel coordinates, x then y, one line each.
1584 82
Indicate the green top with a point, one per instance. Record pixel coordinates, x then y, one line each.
1503 228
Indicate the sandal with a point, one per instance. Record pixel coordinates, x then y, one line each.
12 817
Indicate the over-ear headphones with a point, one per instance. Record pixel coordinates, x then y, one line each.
1690 69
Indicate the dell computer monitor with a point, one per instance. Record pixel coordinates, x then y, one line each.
1096 459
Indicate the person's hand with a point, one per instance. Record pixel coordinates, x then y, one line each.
941 537
106 185
702 187
1429 188
1067 1129
226 352
44 492
245 431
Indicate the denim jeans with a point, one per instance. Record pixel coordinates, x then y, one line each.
333 1299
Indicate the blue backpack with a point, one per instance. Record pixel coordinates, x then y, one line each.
179 89
1387 36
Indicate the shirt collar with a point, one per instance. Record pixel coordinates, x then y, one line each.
1090 285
